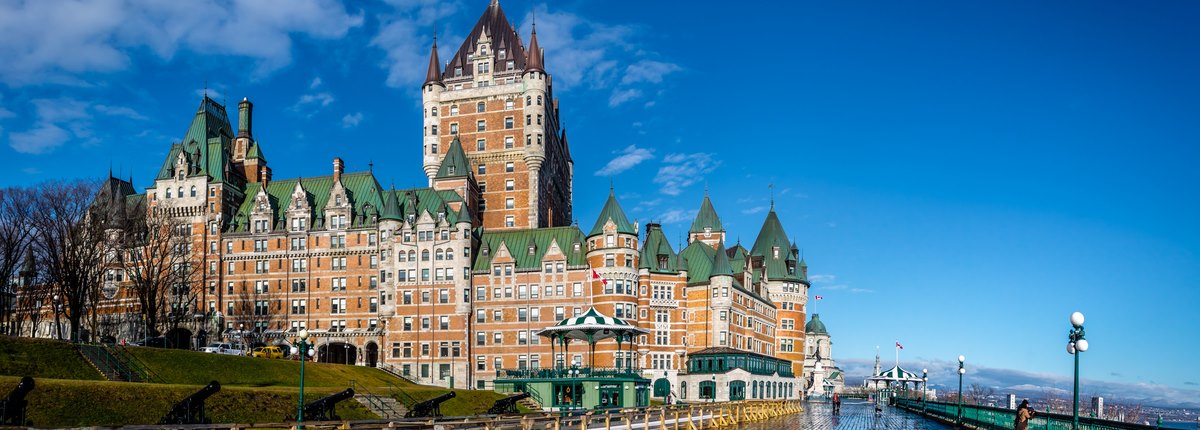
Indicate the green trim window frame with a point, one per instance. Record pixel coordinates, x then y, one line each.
568 394
708 389
737 390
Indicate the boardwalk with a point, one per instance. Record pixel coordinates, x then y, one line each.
856 415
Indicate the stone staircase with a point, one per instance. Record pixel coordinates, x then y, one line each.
530 404
113 368
384 406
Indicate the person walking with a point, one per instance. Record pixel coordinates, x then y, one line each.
1024 414
837 403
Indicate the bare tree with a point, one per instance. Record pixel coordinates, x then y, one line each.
254 310
71 244
155 251
979 394
15 210
32 294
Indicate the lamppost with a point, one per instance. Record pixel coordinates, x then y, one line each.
924 387
347 354
242 336
303 348
961 371
1075 344
57 323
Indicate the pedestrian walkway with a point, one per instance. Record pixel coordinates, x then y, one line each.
856 415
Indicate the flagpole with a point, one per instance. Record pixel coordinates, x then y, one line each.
897 356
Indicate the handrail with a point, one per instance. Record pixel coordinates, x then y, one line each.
987 417
374 400
575 372
136 364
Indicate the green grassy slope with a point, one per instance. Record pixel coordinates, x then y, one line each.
42 358
66 403
190 367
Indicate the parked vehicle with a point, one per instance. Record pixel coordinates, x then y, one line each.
224 348
154 342
268 352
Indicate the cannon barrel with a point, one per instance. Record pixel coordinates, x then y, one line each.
507 405
323 409
429 408
190 410
12 408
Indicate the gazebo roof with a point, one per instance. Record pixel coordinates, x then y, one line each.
896 374
591 326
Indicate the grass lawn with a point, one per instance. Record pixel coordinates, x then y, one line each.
198 368
67 403
43 358
465 402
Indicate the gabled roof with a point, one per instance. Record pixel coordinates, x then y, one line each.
612 211
517 242
706 217
454 165
503 36
209 136
362 190
699 261
654 246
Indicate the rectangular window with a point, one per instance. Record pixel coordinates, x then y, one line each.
481 125
508 122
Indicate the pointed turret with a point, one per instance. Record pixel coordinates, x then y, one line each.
455 163
534 60
772 241
434 75
391 207
706 219
612 211
721 265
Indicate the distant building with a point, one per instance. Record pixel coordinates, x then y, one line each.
1012 401
1098 406
822 376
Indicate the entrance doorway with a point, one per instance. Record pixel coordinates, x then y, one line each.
337 353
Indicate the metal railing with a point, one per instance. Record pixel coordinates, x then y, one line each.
374 401
987 417
578 372
134 364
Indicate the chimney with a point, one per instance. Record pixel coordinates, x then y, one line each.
338 168
245 112
264 176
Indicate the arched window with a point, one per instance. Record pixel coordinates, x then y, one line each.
180 192
433 111
528 100
401 256
424 255
437 255
193 191
168 192
412 255
449 253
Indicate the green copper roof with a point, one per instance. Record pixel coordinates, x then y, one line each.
391 207
721 265
770 238
815 326
362 190
455 163
209 135
612 211
255 152
518 241
655 247
699 261
706 218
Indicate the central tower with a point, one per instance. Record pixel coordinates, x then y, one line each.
497 99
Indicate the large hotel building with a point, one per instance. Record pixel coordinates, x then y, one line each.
449 283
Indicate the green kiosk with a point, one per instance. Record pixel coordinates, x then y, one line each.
571 386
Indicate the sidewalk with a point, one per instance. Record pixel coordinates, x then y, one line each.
856 415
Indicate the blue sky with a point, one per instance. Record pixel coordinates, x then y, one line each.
960 175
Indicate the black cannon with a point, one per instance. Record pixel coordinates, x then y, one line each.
507 405
190 410
429 408
12 408
323 408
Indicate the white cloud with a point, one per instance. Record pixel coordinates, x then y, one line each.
309 104
316 82
621 96
629 157
405 35
41 139
120 111
754 210
682 170
676 215
53 42
648 71
822 278
352 120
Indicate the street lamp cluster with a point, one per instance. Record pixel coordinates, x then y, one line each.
303 348
961 371
1076 344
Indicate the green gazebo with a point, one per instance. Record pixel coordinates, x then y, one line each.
574 386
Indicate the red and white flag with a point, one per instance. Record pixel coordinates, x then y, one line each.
899 346
818 298
597 276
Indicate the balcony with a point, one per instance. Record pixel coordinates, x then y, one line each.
577 372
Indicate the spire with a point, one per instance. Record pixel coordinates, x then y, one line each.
706 218
534 60
434 75
391 206
721 265
612 211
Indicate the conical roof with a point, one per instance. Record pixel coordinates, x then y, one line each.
721 265
706 218
534 62
455 163
391 207
771 235
434 74
612 211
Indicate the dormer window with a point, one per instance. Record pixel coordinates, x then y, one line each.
510 65
532 249
576 246
775 251
457 71
707 231
450 169
337 201
502 54
483 67
662 262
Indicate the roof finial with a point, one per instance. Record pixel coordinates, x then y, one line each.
610 185
533 19
371 165
110 164
205 87
771 187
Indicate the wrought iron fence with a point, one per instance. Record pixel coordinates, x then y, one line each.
986 417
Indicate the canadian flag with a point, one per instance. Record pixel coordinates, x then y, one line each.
899 346
818 297
597 276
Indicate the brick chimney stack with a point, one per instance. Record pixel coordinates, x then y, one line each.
339 167
264 176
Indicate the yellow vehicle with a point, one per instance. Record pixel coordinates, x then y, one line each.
268 352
